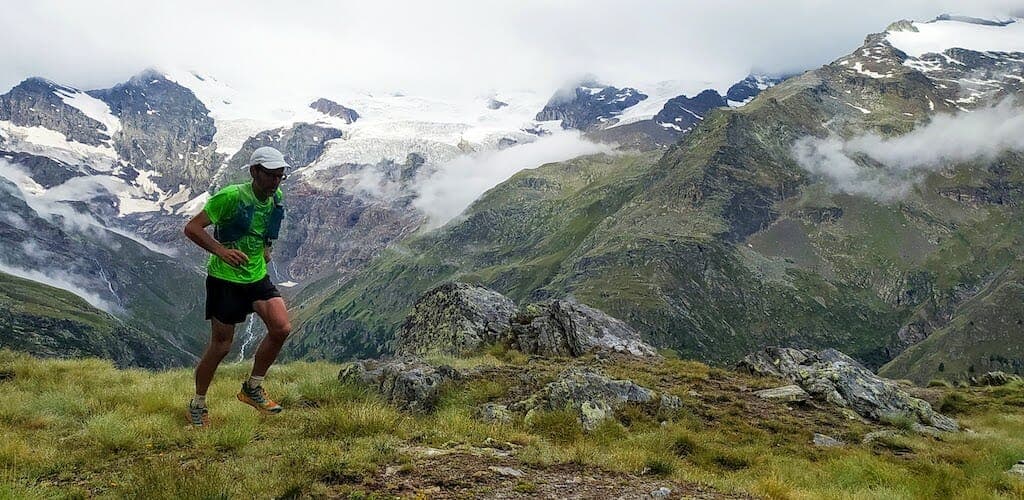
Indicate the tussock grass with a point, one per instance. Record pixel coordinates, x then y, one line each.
85 429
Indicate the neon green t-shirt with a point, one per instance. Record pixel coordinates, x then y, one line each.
221 207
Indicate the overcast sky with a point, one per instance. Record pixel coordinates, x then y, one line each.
434 46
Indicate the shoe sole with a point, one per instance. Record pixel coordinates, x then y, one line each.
245 399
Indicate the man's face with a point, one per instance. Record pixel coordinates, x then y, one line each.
268 179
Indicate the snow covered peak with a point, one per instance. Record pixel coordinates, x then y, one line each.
947 32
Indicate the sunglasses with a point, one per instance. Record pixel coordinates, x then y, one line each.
282 176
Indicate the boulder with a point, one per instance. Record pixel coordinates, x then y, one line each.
407 383
568 328
834 377
824 441
883 435
662 492
454 318
784 394
996 378
594 397
492 412
1017 469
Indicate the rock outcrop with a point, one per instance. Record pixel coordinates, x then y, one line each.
995 378
37 102
834 377
301 144
568 328
331 108
589 106
684 112
454 318
594 397
458 318
164 128
407 383
748 88
785 394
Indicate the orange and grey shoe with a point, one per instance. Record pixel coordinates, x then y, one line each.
198 418
256 397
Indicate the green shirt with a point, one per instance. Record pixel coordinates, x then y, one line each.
222 207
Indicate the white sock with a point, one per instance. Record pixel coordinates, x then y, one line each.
254 381
199 401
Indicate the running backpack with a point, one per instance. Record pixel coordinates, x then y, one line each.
240 223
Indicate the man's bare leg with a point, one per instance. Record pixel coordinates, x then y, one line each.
275 315
221 337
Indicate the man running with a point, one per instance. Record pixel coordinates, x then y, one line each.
246 218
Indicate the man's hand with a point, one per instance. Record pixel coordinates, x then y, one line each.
266 254
195 229
233 257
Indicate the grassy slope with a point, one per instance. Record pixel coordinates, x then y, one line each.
984 336
48 321
82 428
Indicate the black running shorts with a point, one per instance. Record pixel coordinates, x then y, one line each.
230 302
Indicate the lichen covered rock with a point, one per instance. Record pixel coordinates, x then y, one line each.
410 384
454 318
785 394
493 412
836 378
594 397
568 328
996 378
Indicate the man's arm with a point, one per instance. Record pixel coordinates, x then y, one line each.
195 229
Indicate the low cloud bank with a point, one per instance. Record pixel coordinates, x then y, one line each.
456 184
65 281
887 168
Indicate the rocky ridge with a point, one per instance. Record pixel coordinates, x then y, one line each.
459 318
465 314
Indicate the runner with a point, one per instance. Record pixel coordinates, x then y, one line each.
246 218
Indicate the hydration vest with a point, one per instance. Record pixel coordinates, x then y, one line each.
240 223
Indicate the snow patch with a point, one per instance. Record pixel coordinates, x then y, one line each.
659 93
91 107
859 68
937 36
193 206
42 141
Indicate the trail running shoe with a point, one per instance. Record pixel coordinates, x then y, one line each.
198 418
257 398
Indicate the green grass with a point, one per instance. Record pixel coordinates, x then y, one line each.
84 428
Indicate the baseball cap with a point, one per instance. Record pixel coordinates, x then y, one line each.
268 157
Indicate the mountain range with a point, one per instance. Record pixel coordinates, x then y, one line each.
716 219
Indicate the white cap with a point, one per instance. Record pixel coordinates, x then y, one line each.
268 157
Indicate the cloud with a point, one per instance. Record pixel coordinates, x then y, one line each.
58 278
446 192
886 168
441 45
